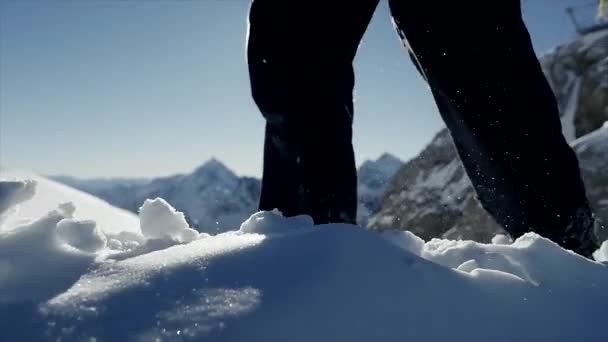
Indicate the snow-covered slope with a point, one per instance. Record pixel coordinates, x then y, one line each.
278 279
432 196
49 194
374 177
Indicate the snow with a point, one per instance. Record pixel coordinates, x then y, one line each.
269 223
159 220
13 193
81 234
283 279
35 264
50 194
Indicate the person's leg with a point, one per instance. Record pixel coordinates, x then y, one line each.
300 57
478 60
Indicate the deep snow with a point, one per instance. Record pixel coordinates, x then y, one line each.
283 279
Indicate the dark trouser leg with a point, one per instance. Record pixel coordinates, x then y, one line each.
478 60
300 63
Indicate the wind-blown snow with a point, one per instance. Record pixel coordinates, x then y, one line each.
13 193
283 279
50 194
35 264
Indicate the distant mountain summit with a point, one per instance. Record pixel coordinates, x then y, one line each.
373 178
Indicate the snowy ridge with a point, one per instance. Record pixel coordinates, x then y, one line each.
50 195
283 279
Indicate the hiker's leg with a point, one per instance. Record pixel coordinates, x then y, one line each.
300 57
490 90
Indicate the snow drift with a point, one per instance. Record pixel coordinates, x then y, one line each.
283 279
50 194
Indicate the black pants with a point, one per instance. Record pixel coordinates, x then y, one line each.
478 60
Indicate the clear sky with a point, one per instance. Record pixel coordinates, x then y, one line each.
150 88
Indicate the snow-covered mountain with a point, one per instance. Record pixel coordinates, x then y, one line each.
215 199
428 194
374 177
432 196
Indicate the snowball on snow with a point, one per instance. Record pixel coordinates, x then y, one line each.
159 220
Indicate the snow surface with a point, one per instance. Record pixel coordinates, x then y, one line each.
159 220
50 194
283 279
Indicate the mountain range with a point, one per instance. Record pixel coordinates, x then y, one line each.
214 199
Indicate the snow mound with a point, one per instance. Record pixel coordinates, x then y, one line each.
49 195
35 264
159 220
281 279
42 257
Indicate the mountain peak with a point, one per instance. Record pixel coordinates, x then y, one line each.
214 169
212 164
387 158
387 164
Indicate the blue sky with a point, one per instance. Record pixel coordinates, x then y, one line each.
149 87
